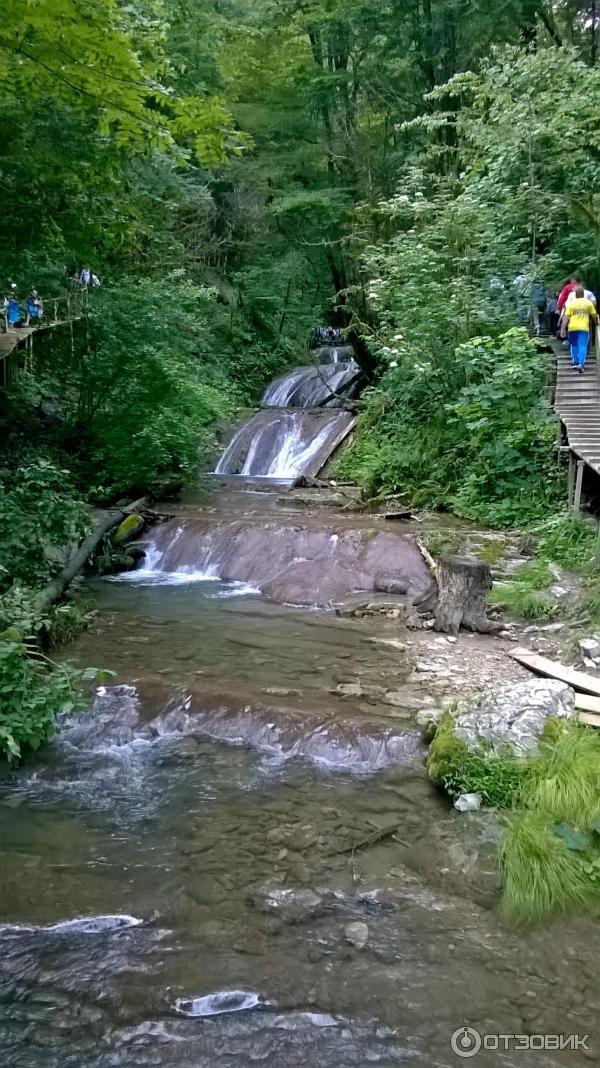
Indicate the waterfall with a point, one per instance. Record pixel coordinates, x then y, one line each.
299 431
284 443
313 387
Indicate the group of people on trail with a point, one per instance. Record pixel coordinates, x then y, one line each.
568 314
328 335
576 308
85 278
14 315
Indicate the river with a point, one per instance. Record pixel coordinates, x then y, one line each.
190 875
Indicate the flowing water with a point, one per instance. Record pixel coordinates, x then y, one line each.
299 436
235 858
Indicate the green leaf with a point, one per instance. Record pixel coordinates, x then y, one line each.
573 839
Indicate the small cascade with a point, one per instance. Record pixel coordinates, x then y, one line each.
300 432
282 443
290 565
325 386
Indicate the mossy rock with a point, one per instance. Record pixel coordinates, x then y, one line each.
457 770
128 529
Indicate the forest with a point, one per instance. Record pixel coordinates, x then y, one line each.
236 172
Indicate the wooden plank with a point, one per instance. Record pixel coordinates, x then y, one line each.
589 718
585 702
541 665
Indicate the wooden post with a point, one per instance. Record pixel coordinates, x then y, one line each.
578 484
570 481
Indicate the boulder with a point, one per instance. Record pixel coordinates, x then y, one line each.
390 582
128 530
590 647
514 718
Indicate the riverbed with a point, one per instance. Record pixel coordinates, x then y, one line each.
235 858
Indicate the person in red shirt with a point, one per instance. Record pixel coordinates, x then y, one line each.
566 291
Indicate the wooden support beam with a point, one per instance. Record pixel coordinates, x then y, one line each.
570 481
578 485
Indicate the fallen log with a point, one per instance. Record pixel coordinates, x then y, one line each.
55 589
463 587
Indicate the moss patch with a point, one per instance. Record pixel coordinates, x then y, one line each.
131 526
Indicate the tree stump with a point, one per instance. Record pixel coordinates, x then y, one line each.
463 587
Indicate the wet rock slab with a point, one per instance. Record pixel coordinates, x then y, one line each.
293 564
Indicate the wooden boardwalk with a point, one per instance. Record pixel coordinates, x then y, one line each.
577 404
22 337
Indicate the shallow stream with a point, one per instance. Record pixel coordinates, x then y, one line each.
236 859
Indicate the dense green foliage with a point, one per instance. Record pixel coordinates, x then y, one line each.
495 193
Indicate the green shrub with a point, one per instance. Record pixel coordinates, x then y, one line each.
32 692
59 624
40 514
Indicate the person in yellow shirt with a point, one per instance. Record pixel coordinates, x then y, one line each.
580 312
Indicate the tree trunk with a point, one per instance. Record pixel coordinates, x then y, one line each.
55 589
463 587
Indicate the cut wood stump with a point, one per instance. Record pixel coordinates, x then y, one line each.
463 588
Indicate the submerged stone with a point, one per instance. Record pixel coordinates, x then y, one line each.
357 934
216 1004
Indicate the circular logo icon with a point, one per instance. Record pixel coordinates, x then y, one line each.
465 1042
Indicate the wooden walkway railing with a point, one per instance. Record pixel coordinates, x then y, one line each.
577 404
58 311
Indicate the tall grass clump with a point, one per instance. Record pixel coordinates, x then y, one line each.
550 858
564 781
539 874
566 539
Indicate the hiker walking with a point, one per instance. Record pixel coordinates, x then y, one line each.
551 317
579 313
537 300
566 291
12 310
34 307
